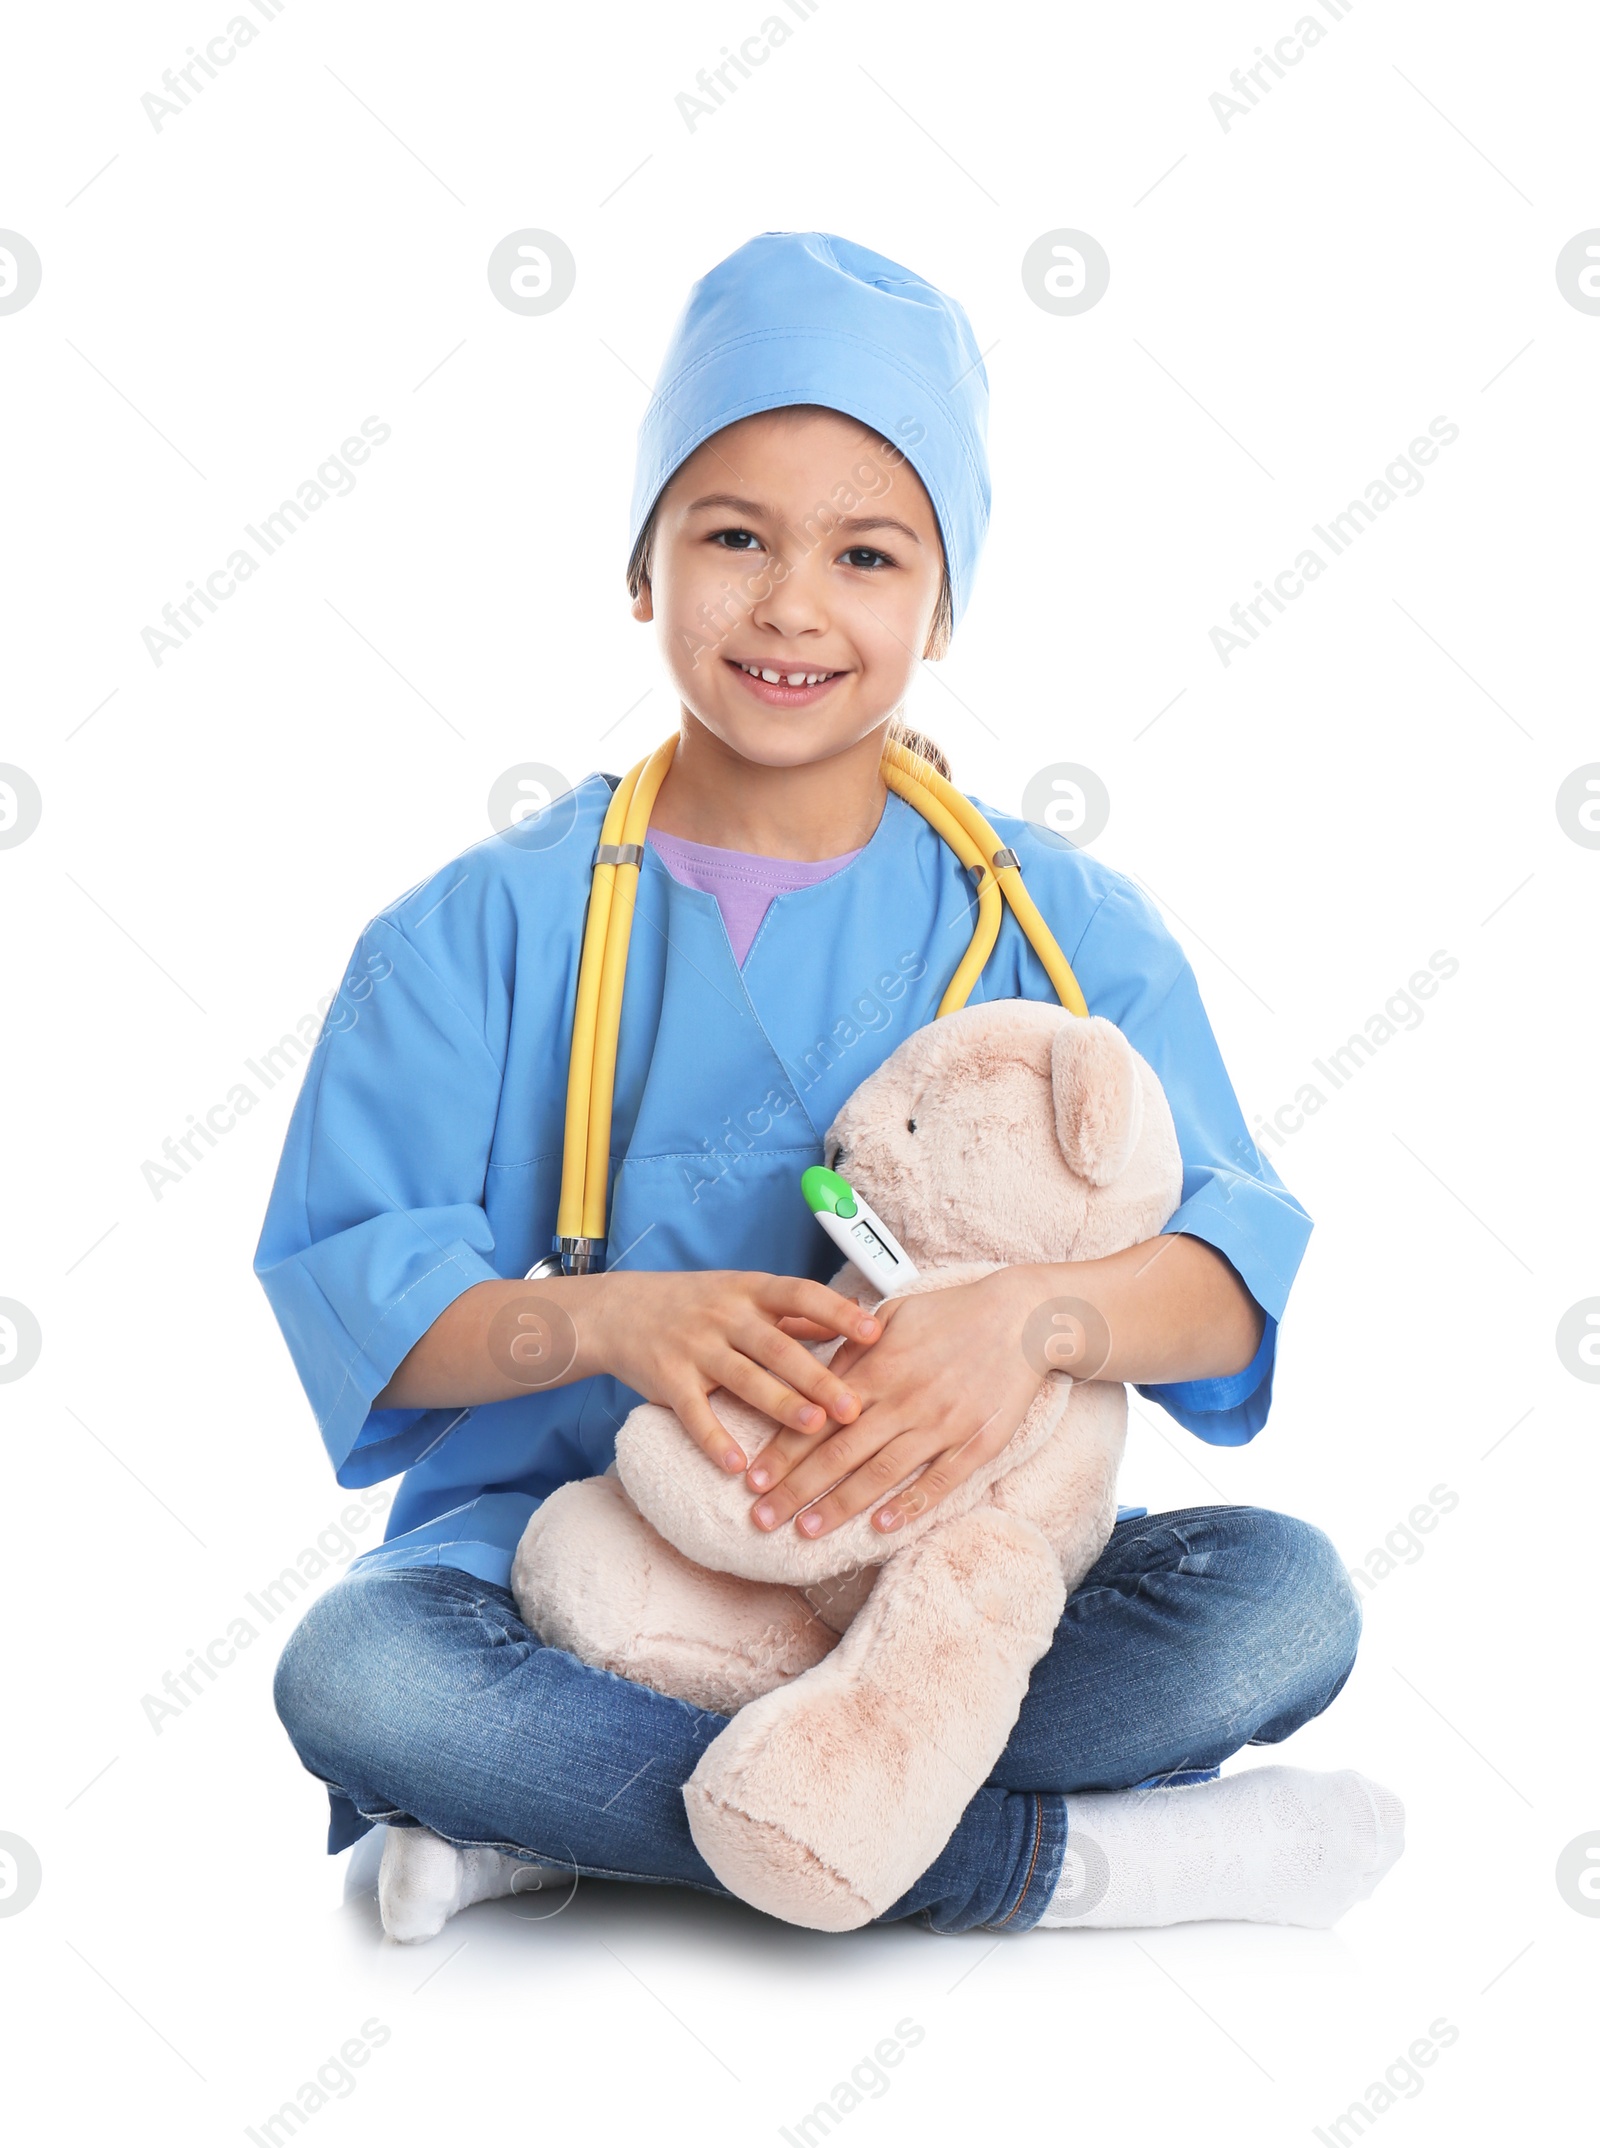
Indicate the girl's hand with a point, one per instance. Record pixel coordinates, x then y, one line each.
674 1337
947 1384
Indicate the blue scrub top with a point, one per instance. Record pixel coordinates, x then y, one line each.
424 1153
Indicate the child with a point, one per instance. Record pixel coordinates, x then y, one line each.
812 495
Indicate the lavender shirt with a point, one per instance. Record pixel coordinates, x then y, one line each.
743 883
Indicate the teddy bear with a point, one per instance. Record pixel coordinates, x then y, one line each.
871 1680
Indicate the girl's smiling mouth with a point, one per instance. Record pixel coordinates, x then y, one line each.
787 686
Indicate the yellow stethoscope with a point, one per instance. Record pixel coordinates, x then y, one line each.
591 1074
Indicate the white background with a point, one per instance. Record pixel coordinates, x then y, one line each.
1291 302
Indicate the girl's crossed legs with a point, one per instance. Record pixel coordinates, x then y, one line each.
419 1697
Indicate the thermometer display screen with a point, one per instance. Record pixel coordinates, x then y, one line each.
864 1235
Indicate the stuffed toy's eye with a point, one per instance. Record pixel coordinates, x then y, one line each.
911 1126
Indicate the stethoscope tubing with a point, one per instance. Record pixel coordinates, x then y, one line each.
597 1015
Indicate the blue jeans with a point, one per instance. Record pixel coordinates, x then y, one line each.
418 1696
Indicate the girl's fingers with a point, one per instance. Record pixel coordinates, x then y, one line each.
890 1466
948 1470
825 1464
754 1384
777 1458
831 1309
854 1348
822 1497
707 1430
794 1364
772 1371
781 1453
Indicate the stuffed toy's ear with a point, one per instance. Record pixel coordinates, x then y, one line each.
1098 1099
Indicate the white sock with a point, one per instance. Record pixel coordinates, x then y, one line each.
424 1881
1273 1845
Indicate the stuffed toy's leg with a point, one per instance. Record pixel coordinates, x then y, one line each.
823 1801
591 1576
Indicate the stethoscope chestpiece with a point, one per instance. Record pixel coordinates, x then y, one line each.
573 1256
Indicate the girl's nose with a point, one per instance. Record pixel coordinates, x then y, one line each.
792 606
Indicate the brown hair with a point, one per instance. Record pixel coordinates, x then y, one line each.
919 742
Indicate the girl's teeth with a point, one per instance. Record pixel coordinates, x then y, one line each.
786 678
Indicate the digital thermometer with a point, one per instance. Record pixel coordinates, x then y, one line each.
860 1234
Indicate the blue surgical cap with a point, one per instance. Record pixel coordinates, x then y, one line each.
804 317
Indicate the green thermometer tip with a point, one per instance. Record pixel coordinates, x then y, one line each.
826 1192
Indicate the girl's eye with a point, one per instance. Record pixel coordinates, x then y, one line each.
864 555
737 540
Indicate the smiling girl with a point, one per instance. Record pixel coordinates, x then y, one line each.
811 500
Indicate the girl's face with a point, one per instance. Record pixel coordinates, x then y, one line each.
794 578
